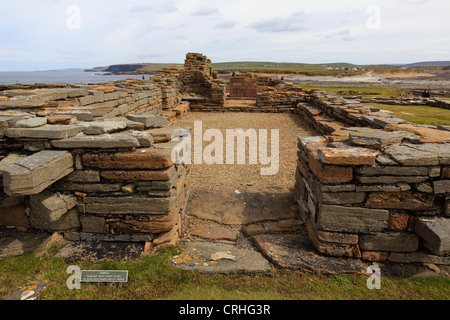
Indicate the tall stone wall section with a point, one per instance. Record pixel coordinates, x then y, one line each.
92 162
373 186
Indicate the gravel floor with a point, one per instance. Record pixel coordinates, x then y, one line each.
228 177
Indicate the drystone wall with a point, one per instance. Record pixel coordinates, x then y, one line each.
415 101
373 186
92 162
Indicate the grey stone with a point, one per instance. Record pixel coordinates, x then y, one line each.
418 257
150 121
435 231
129 205
434 172
389 241
390 179
27 292
385 160
31 123
84 176
87 187
104 141
294 251
93 224
441 187
35 146
9 160
19 243
45 132
101 127
100 250
165 185
145 139
445 128
221 259
99 96
81 115
391 171
87 100
410 155
376 138
342 197
378 188
35 173
423 187
49 211
351 219
69 220
132 125
303 141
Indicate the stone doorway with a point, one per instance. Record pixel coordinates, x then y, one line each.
234 207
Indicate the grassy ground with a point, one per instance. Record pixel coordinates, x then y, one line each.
418 114
152 278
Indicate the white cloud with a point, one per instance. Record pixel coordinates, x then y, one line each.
34 33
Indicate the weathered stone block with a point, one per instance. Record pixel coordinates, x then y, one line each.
418 257
93 224
347 156
129 205
136 159
412 155
401 200
342 197
69 220
436 232
329 174
101 127
104 141
49 206
377 170
87 187
351 219
45 132
150 121
133 176
10 159
35 173
84 176
376 139
390 179
441 187
31 123
390 242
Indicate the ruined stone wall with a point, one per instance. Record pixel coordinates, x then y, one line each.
92 162
434 102
377 192
243 86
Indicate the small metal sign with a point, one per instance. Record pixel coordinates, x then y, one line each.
118 276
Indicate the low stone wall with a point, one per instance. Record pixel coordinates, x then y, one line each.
374 186
243 86
92 162
434 102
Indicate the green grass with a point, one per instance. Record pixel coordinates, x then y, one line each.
153 278
418 114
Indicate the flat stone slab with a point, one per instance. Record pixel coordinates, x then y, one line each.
207 258
101 127
14 243
45 132
213 233
295 251
347 156
30 292
104 141
31 123
377 139
435 231
417 155
96 251
149 121
36 172
241 209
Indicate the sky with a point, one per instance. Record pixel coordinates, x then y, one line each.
57 34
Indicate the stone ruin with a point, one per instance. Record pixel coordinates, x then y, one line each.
94 162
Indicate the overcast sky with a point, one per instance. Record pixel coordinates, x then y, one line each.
52 34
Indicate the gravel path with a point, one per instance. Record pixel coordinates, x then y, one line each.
229 178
